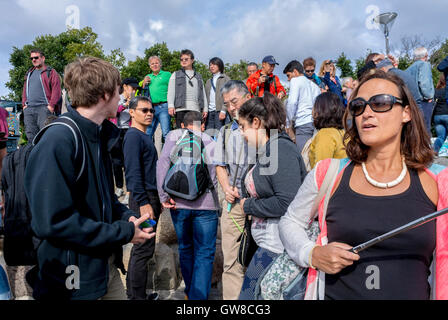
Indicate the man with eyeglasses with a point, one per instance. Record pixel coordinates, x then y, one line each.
140 161
186 90
232 160
299 107
309 65
155 85
41 94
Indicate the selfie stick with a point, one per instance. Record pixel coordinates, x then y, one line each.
411 225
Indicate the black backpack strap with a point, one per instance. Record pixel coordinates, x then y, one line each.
80 151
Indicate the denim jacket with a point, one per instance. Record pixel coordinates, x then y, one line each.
421 71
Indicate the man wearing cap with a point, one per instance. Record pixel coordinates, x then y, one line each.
265 81
157 84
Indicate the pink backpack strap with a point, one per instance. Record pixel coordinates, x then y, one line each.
440 175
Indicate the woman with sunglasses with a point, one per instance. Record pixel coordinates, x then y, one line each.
387 181
328 73
140 160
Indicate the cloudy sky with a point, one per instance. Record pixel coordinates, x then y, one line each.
231 29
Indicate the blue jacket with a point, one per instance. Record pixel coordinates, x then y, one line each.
421 71
443 67
334 87
410 82
80 223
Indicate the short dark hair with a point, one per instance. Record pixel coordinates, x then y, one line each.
192 117
370 57
308 62
134 101
328 111
268 108
217 62
35 50
187 52
294 65
252 64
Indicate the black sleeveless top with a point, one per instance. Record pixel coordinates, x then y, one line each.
397 268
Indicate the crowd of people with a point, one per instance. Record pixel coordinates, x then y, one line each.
248 156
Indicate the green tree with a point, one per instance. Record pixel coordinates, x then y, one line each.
59 51
139 68
345 65
437 57
237 71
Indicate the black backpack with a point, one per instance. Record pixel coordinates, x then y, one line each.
20 244
188 177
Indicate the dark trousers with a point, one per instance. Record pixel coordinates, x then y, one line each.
213 124
34 119
427 109
141 253
118 160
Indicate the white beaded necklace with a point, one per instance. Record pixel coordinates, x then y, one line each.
385 185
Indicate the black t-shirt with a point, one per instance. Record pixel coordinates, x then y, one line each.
397 268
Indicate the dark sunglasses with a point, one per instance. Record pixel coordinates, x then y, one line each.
309 71
146 110
378 103
34 58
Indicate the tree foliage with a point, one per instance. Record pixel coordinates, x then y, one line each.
59 51
345 65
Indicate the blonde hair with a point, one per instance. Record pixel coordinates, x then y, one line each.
89 79
321 70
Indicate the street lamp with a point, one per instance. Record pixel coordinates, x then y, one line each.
386 21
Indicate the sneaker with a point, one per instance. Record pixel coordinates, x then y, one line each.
153 296
119 192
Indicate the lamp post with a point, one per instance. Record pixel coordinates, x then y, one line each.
386 21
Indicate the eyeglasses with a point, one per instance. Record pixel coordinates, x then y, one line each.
232 102
378 103
146 110
34 58
310 71
185 59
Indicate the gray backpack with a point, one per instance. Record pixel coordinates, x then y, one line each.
188 177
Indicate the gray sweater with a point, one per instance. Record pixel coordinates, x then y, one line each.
192 94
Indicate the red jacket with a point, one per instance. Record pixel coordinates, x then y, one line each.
252 84
52 95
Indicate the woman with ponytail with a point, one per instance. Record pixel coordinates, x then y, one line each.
270 184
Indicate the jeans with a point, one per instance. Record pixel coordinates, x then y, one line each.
213 124
441 126
303 134
34 119
196 234
161 115
427 109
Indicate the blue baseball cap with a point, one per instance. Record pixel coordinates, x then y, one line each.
270 60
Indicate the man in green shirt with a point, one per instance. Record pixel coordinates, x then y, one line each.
155 85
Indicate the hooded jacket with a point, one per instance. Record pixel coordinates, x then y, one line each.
80 224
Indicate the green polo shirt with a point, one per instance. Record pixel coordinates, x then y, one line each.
158 87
